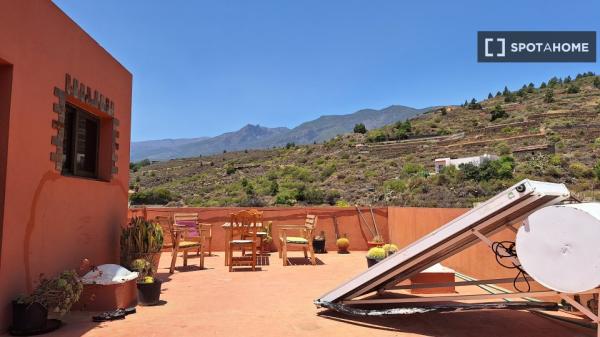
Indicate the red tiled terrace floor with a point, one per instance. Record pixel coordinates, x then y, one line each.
278 301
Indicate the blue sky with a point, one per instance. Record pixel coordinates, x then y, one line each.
202 68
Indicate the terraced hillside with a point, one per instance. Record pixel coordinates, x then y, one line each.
548 132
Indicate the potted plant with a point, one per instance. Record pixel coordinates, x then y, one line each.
267 240
141 239
141 242
319 243
30 312
342 244
390 249
376 242
376 254
148 287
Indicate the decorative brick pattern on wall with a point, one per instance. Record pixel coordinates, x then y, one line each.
59 125
83 93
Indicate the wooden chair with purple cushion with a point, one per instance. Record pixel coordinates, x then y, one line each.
197 229
188 236
244 226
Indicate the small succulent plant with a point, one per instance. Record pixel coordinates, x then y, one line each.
57 294
144 270
343 243
376 253
390 248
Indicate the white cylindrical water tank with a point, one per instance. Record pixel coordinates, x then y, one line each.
559 247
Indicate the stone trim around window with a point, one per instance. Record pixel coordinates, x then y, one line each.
83 93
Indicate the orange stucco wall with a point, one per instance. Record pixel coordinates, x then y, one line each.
408 224
346 217
50 221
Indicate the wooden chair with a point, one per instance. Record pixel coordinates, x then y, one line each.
260 234
198 231
178 240
243 236
304 238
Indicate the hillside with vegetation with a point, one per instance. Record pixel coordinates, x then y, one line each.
549 131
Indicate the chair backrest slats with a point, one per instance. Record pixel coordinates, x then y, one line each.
244 223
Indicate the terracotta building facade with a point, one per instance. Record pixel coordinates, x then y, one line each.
65 114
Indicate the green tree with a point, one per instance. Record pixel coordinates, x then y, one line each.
597 170
543 85
360 128
490 96
549 96
597 82
572 89
498 112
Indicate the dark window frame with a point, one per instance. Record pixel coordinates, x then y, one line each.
70 164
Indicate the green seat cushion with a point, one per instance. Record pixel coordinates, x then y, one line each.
184 244
296 239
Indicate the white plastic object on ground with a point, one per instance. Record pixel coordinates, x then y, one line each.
109 274
559 247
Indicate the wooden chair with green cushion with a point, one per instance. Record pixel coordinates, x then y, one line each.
244 226
303 239
186 235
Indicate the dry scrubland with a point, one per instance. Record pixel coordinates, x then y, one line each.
395 164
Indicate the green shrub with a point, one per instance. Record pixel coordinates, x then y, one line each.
134 167
156 196
374 136
491 169
229 169
411 168
328 171
580 170
497 113
572 89
503 149
332 196
286 197
394 185
342 203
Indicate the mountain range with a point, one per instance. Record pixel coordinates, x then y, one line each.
260 137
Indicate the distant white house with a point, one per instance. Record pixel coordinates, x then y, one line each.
440 163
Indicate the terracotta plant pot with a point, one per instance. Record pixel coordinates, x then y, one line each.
371 244
319 246
149 293
28 317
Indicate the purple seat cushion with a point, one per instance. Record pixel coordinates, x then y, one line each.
191 225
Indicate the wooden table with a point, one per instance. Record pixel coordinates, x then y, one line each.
228 237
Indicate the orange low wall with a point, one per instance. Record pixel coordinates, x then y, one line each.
409 224
399 225
347 219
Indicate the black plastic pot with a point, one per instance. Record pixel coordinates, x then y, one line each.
149 293
29 317
372 262
319 246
